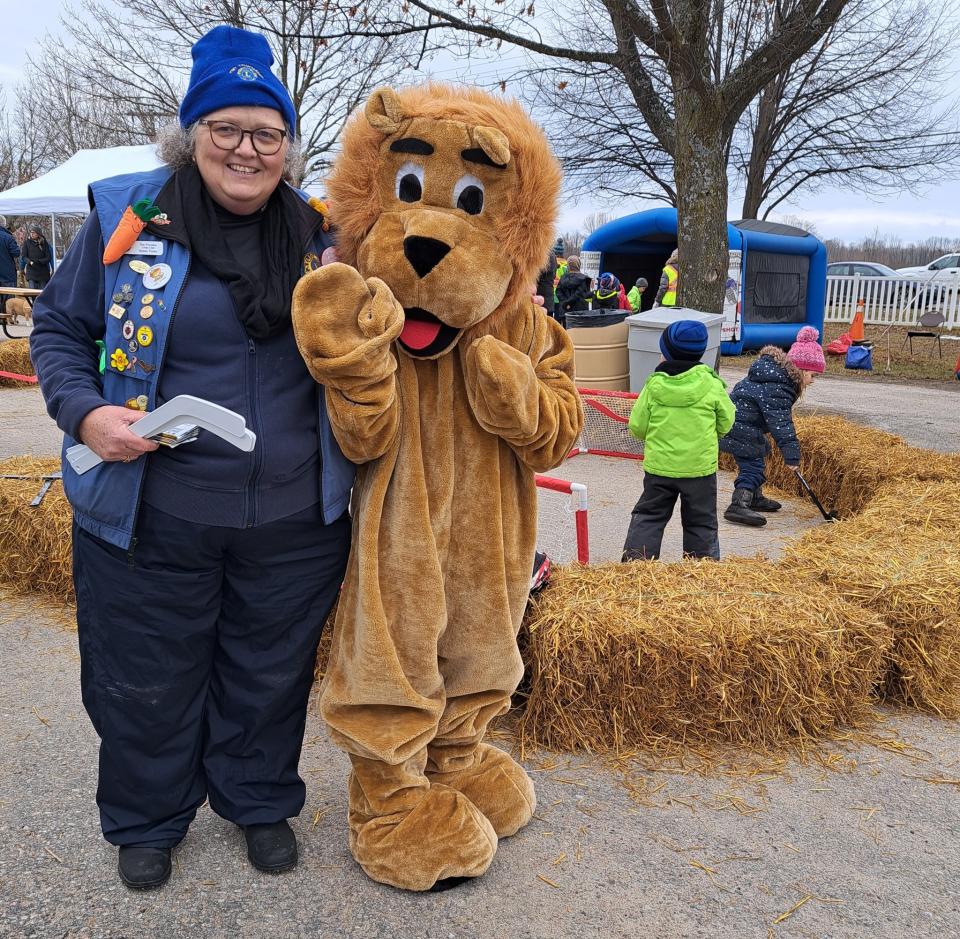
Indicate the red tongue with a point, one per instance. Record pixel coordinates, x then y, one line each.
417 334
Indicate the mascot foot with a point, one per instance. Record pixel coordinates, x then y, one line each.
493 781
439 835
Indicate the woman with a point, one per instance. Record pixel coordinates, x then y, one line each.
36 259
203 574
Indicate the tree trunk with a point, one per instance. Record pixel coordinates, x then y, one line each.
701 175
761 149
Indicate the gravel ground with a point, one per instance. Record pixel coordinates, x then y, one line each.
874 843
863 841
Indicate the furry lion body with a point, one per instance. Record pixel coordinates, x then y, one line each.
450 389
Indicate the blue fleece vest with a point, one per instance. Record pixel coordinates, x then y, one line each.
105 499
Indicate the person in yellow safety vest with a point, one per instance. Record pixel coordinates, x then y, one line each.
561 266
669 282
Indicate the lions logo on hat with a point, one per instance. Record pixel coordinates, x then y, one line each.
246 72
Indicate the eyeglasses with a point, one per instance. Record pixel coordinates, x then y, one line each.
226 136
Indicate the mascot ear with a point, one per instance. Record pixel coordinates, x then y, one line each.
384 112
493 143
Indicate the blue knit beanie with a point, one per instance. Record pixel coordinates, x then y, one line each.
231 68
609 282
684 341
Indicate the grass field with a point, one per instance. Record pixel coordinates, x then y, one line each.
924 365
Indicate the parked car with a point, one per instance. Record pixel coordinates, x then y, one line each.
863 268
943 270
872 287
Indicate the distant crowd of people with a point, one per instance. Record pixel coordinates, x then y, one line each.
565 288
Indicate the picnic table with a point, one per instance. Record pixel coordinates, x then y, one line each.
28 293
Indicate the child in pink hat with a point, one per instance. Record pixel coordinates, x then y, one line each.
764 402
806 352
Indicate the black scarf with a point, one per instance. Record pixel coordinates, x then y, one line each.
263 305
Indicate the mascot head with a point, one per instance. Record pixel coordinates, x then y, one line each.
449 196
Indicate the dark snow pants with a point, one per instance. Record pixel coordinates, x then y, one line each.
750 473
197 651
698 513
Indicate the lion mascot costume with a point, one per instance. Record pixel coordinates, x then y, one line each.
449 388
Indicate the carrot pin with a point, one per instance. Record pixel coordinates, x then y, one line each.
132 222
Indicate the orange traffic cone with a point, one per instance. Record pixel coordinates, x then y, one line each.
856 327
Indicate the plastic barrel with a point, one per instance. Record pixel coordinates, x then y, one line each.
600 351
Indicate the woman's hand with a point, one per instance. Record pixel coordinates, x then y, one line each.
106 431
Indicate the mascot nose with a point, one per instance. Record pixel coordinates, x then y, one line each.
424 254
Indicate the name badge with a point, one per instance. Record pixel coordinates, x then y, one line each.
154 248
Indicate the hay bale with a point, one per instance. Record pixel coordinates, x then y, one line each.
846 463
35 542
906 571
663 657
932 506
15 357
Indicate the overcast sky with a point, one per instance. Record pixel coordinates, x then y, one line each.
835 212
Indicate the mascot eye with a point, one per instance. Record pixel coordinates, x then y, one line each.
468 195
409 186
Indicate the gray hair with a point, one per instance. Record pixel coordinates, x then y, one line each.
3 221
177 145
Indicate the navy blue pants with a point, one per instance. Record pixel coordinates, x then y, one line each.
197 651
750 474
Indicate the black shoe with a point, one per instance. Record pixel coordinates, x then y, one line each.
739 510
762 504
144 868
271 848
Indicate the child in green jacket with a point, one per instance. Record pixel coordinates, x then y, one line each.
681 413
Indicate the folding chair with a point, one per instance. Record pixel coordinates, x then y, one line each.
932 322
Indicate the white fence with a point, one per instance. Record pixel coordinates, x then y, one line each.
892 300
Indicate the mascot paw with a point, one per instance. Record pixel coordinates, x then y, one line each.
504 386
336 311
443 836
497 785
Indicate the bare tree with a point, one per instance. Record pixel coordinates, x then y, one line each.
866 107
596 219
714 56
606 149
891 250
121 70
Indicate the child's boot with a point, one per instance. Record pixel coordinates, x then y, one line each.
762 504
740 511
409 833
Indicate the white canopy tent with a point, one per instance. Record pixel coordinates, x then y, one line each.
63 191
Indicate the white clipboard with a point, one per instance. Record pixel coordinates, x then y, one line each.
225 424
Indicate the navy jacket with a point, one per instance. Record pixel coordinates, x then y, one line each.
194 344
9 252
764 402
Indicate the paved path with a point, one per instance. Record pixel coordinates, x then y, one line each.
874 845
868 850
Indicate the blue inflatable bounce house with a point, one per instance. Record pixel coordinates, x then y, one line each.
776 283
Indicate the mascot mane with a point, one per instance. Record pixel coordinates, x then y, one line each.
526 225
